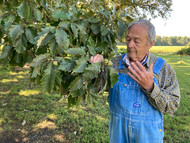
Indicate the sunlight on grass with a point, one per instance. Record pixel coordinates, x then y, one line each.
59 137
181 62
28 92
24 132
121 47
183 66
187 73
16 140
21 72
100 118
5 92
45 124
167 49
9 80
52 116
20 76
24 139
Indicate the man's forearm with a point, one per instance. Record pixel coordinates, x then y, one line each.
165 101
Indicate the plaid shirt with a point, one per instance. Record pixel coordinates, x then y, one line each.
166 96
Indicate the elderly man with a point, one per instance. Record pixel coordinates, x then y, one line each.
147 88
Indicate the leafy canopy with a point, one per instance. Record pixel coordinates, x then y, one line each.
58 37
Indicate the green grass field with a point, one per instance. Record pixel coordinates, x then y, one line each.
157 49
28 115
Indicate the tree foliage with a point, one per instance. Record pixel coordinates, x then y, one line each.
58 37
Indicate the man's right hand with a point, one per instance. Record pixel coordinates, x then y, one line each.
96 59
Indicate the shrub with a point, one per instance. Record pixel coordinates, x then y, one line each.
185 51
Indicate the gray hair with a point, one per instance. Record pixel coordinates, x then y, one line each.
151 35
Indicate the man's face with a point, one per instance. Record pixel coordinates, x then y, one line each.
137 42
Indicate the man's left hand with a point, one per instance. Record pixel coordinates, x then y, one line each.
141 76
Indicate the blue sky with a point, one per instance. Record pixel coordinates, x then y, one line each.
179 22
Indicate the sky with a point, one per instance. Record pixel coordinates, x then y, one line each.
179 22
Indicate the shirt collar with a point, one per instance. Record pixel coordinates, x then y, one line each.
145 61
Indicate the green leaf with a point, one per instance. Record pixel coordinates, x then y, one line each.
37 61
94 20
75 30
25 11
73 100
90 97
31 34
41 38
43 32
9 22
91 46
64 24
67 79
67 65
81 65
58 80
18 38
21 44
92 71
43 3
122 27
101 46
19 59
37 14
53 45
15 32
48 78
95 28
34 73
104 30
76 51
82 26
113 76
83 36
5 53
45 39
77 83
78 92
40 41
62 38
61 15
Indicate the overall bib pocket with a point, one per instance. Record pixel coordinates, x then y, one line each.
131 99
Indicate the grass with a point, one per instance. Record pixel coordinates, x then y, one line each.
177 127
158 49
29 115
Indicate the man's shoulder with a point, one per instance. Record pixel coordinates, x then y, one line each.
153 59
166 68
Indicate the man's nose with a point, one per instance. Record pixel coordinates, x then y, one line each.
130 43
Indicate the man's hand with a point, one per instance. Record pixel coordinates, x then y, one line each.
141 76
96 59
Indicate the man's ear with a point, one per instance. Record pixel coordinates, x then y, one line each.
151 44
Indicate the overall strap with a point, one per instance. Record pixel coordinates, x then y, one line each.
121 66
158 65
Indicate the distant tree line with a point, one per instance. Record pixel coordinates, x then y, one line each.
172 41
166 41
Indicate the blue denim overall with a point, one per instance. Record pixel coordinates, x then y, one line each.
132 118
